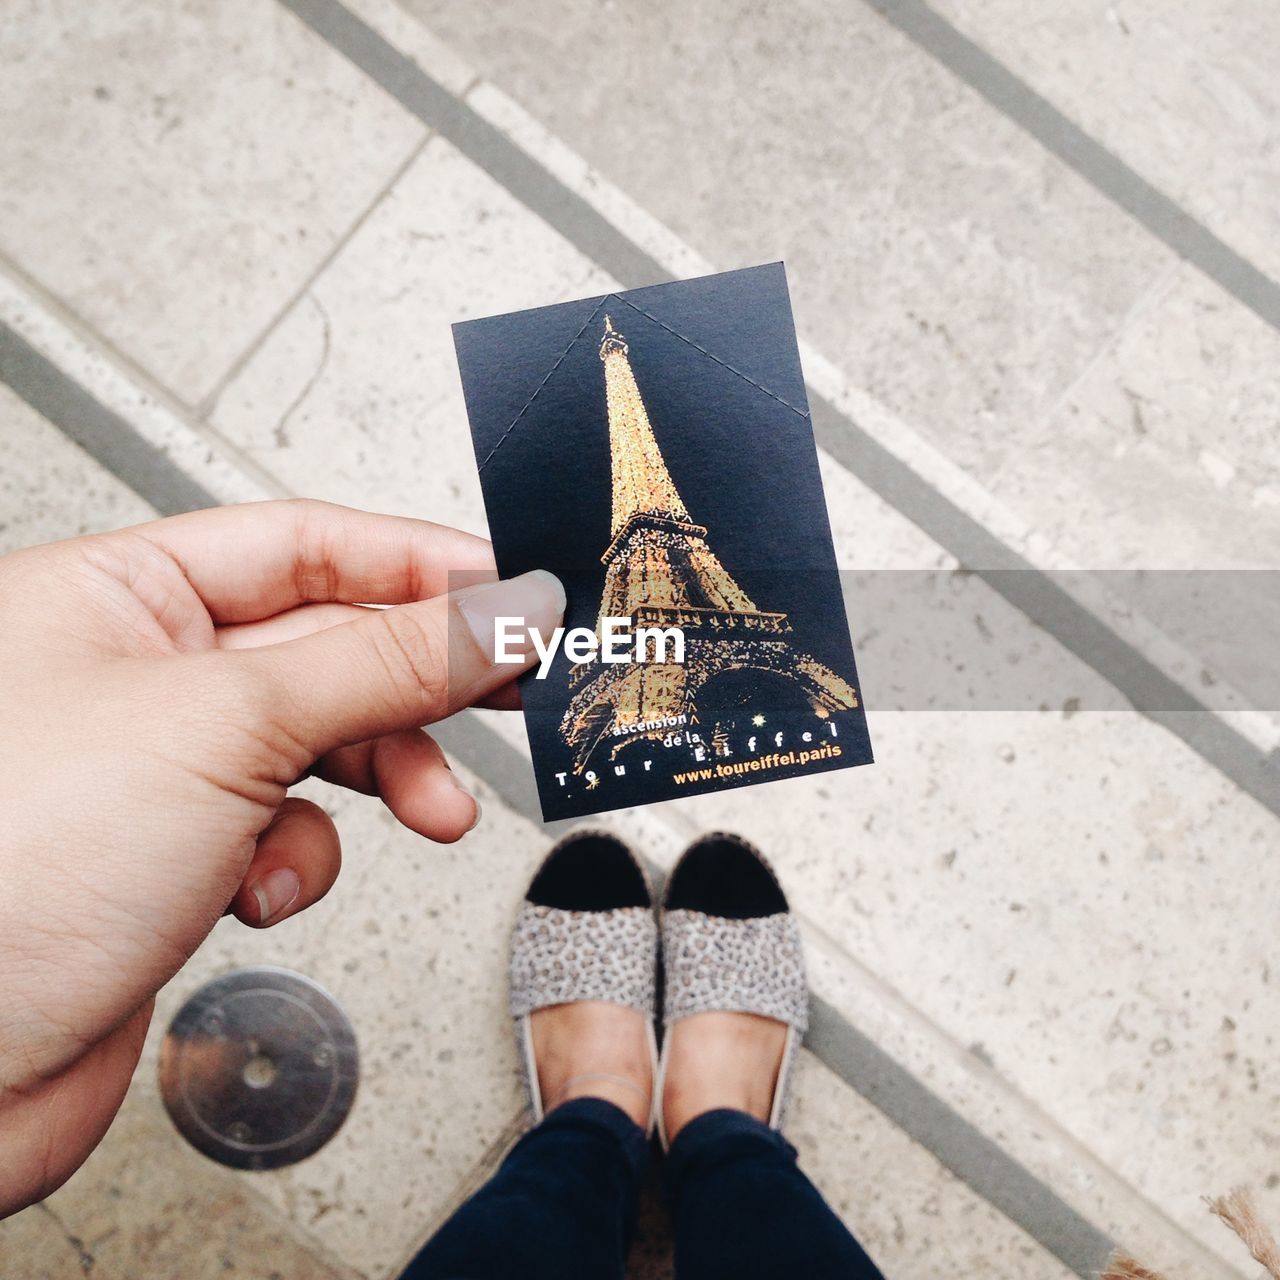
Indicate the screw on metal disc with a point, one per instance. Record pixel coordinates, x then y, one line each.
259 1068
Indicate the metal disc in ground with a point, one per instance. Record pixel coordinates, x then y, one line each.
259 1068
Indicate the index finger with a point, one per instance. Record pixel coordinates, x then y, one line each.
256 559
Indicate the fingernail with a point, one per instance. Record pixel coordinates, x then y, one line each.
534 600
275 893
475 822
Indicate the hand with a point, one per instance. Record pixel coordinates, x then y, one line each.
160 689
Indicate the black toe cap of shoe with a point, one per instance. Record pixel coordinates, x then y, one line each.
721 875
590 871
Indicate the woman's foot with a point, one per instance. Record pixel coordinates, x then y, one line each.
721 1060
736 997
590 1049
583 962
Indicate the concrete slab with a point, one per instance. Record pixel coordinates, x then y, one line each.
1186 95
970 381
911 215
910 1214
1172 432
174 174
146 1204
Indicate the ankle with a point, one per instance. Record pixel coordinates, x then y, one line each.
628 1096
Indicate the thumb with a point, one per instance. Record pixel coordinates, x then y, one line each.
408 666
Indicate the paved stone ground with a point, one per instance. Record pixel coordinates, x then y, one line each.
1041 938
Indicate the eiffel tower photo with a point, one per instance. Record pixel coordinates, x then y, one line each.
661 572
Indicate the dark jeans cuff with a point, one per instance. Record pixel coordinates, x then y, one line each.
596 1116
716 1136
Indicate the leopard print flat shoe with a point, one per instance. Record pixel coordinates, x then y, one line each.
585 931
730 944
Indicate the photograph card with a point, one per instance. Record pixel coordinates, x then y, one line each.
653 449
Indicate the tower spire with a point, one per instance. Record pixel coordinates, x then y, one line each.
641 483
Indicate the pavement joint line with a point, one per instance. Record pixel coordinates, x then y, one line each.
99 431
1105 171
1142 682
23 296
1155 292
209 401
425 97
957 1144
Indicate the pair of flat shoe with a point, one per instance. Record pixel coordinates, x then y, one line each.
586 931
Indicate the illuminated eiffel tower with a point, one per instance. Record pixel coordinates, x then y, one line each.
660 572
